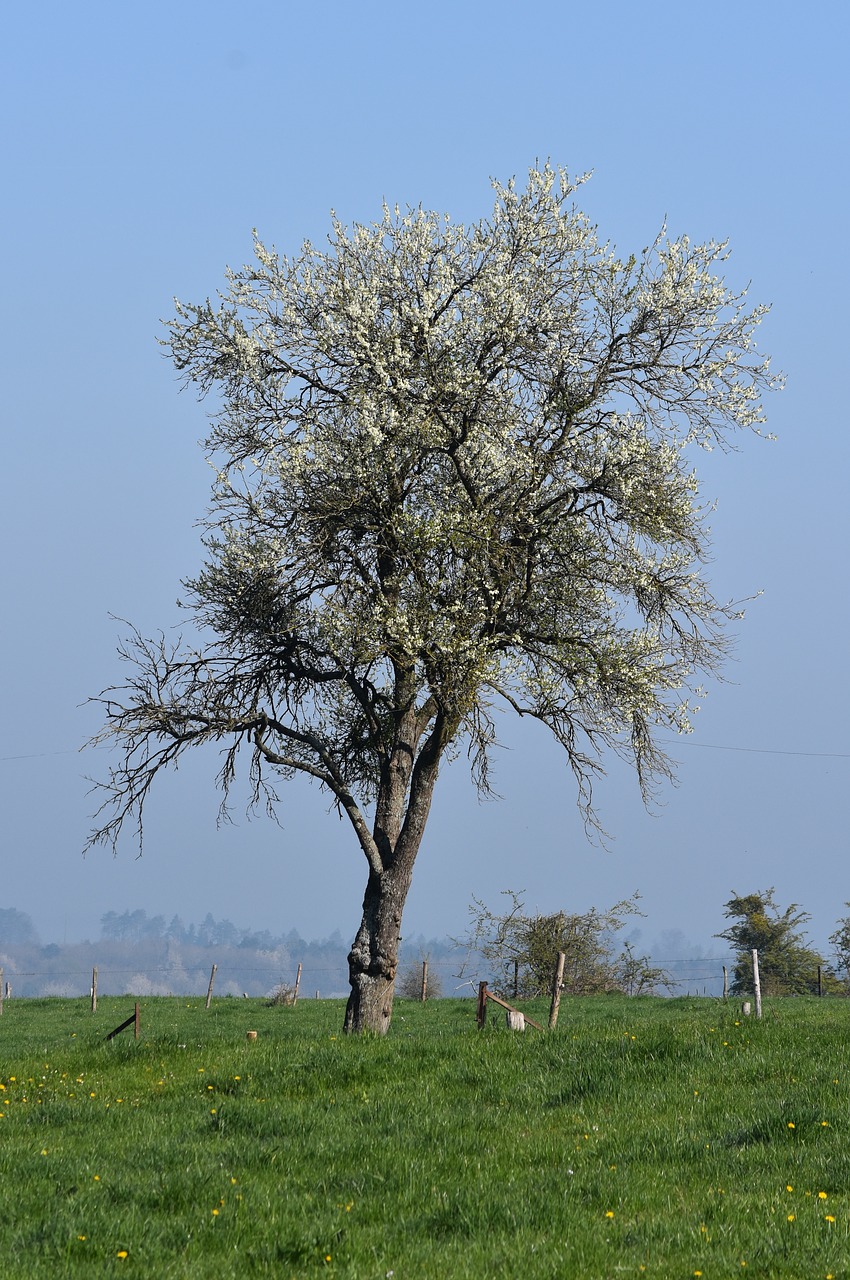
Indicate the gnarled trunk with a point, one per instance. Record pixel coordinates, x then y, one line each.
373 959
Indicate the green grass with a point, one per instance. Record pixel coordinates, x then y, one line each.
644 1138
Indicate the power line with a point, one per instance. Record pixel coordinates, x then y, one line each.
760 751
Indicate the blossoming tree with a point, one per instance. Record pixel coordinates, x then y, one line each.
452 477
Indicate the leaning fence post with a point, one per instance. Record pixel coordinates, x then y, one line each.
756 982
210 987
481 1011
94 989
424 994
557 983
725 983
297 985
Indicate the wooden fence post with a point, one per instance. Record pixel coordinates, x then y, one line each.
725 983
297 985
481 1011
94 989
557 983
133 1021
756 982
210 987
424 995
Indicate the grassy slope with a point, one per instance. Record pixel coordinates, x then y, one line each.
644 1138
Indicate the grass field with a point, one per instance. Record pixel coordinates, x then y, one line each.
644 1138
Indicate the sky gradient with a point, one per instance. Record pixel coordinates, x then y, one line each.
140 149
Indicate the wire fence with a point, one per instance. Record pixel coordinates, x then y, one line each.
455 975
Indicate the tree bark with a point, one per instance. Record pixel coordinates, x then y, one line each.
373 959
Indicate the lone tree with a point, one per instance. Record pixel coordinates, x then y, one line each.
840 941
522 949
452 475
786 965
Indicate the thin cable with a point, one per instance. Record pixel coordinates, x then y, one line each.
760 751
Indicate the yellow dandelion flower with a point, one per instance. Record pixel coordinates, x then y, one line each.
791 1217
122 1253
609 1213
828 1218
821 1195
215 1213
791 1124
789 1187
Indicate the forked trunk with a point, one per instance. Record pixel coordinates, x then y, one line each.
373 959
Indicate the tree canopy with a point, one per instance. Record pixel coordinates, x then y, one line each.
787 966
453 475
521 949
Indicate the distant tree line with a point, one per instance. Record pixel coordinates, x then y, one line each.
138 926
517 950
147 955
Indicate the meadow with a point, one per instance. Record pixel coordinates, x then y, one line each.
644 1138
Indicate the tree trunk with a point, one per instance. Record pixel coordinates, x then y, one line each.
373 959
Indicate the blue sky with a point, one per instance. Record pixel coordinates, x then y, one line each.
140 148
